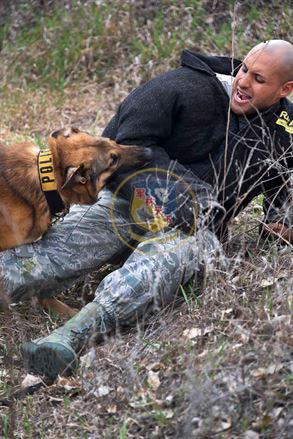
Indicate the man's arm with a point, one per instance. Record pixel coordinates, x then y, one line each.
278 201
278 213
147 118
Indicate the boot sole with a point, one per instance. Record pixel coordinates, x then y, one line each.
48 359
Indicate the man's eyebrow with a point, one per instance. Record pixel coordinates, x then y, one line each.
254 72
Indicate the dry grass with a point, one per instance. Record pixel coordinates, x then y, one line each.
216 364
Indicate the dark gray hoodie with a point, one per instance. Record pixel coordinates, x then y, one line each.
183 114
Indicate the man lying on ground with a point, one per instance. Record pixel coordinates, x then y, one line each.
212 156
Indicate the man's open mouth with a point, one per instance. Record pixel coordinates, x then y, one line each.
241 97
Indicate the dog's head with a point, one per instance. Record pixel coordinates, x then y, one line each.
86 162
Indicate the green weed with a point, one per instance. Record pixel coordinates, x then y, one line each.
161 418
54 48
254 14
190 297
86 41
5 422
123 431
66 402
223 37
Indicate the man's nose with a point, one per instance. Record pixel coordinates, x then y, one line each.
244 80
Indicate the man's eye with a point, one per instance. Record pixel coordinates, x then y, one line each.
244 68
259 79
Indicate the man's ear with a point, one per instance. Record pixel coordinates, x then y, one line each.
73 177
286 89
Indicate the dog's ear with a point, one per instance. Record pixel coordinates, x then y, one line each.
74 176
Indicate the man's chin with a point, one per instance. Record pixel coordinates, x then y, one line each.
242 109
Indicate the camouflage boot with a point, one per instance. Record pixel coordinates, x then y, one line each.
57 353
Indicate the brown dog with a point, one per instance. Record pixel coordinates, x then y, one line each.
36 184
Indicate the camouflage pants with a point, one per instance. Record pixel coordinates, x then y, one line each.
86 239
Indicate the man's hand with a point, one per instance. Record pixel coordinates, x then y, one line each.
278 231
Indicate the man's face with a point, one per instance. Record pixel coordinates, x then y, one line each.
257 85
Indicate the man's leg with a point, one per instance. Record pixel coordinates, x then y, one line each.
83 241
149 278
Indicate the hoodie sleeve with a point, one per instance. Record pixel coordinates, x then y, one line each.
278 193
279 209
146 118
278 199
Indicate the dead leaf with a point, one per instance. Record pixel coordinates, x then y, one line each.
155 366
209 19
153 380
87 360
69 383
169 399
30 380
236 346
102 391
196 332
222 424
203 353
262 372
3 373
271 280
226 312
168 413
250 434
112 409
268 282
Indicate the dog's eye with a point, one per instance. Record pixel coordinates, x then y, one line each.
114 159
55 134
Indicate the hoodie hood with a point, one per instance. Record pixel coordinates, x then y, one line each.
210 64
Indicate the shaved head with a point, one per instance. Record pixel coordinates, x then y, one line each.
281 52
265 77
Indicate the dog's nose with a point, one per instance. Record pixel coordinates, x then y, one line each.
144 154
